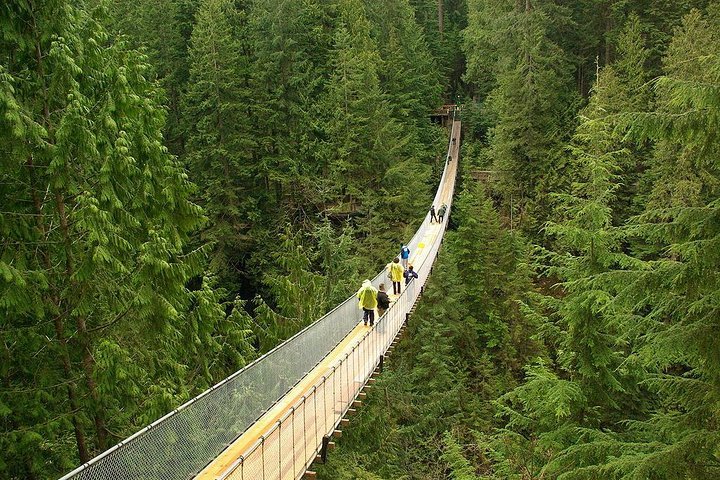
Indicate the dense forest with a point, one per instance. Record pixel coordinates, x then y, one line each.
186 183
571 329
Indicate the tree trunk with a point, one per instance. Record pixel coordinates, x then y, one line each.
80 438
528 54
88 361
608 26
83 335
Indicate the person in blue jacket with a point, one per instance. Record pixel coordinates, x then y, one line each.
404 256
409 274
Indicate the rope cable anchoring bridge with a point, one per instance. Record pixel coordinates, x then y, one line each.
269 420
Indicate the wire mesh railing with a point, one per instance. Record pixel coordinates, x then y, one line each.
180 444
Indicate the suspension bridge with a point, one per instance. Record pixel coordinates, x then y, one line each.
275 417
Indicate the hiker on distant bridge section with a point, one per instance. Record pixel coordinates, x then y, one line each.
404 256
395 273
441 212
367 296
432 214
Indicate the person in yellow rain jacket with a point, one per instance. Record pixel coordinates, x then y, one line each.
395 272
367 296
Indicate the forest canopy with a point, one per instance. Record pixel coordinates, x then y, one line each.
186 183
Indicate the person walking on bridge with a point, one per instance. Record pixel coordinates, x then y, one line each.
367 297
383 301
404 256
432 214
441 212
395 272
409 274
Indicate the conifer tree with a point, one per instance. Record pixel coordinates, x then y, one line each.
297 289
585 386
532 97
672 292
631 93
220 141
359 136
162 29
587 246
409 73
334 259
291 41
460 468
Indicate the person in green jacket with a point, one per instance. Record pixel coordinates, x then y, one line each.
441 212
367 297
395 273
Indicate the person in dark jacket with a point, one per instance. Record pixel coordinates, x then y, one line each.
409 274
432 214
383 301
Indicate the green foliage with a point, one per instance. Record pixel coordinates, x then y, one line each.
638 334
530 98
290 43
219 141
460 468
356 128
162 29
95 312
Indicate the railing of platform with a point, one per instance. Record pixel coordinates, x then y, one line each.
180 444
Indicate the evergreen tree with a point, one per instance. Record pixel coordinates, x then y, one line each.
359 136
291 41
532 97
220 143
162 29
587 246
409 74
334 259
460 468
671 293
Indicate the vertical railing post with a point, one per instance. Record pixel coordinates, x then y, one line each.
315 413
324 449
305 427
325 422
262 454
280 449
293 437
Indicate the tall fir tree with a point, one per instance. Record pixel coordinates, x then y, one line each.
162 29
358 134
532 100
220 141
291 44
673 292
